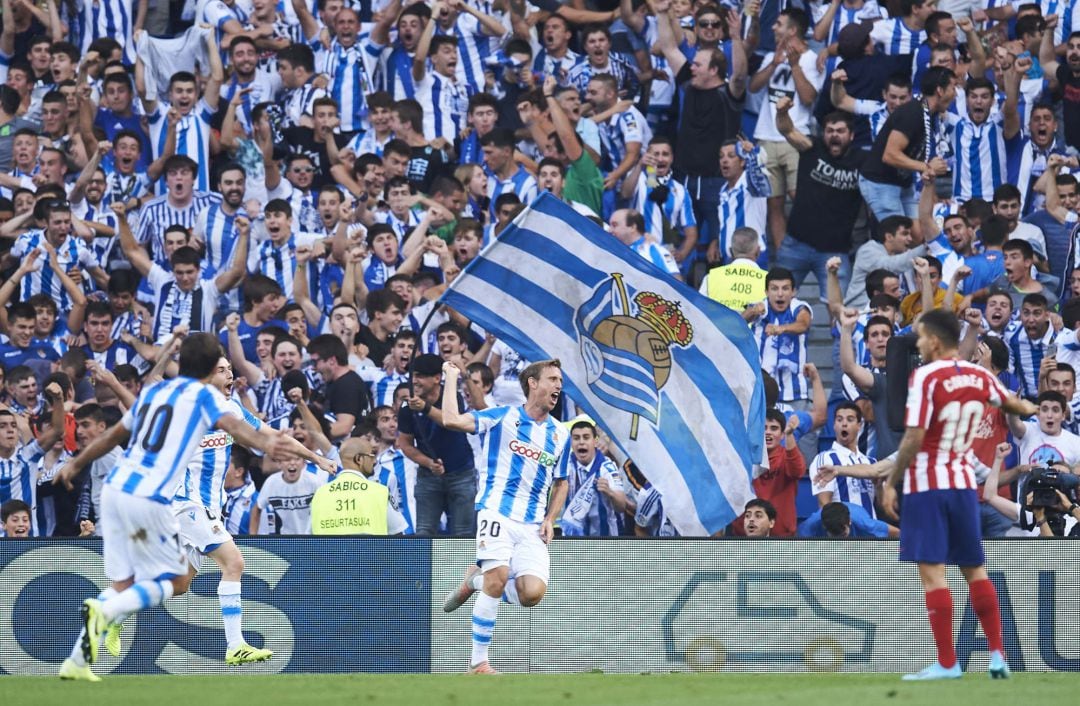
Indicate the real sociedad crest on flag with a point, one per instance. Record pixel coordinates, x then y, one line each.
626 338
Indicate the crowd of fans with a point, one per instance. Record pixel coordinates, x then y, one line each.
306 179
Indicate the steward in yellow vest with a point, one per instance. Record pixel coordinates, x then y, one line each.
354 503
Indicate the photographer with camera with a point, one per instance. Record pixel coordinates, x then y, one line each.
1050 495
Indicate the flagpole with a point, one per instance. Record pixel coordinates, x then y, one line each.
624 298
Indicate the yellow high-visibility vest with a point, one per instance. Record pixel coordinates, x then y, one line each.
737 285
350 504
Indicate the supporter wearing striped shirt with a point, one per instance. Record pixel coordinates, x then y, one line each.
663 201
597 499
186 296
896 92
781 335
385 379
396 62
978 141
351 62
443 94
392 468
111 19
19 462
596 40
516 516
847 425
100 344
254 86
179 205
622 135
275 257
372 142
903 35
629 227
186 117
116 115
555 57
505 175
240 494
296 67
1027 157
473 30
1028 344
482 115
68 252
216 225
738 206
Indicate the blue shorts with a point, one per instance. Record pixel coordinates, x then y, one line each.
942 527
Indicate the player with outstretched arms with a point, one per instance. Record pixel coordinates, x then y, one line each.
141 535
515 517
939 523
197 503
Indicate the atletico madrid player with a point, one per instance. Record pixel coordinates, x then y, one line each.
939 524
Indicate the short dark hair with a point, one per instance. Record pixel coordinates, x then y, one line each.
98 309
934 21
850 406
779 274
875 280
943 325
768 507
880 301
1006 192
935 77
298 55
500 137
181 162
775 415
891 224
411 112
835 517
994 231
1035 299
1021 246
182 77
199 355
90 410
797 17
10 507
186 255
22 310
999 351
381 300
1052 396
878 321
278 206
329 347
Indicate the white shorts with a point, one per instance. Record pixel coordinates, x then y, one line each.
141 538
201 530
504 542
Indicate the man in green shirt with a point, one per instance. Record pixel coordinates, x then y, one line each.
582 182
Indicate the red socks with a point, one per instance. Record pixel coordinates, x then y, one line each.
939 607
985 604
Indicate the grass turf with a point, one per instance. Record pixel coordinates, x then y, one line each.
524 690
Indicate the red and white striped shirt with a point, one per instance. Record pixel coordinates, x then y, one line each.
948 398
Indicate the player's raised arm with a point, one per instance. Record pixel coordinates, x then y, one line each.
451 417
271 444
117 435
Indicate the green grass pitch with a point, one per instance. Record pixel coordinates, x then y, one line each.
546 690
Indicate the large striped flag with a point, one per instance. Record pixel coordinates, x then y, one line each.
673 377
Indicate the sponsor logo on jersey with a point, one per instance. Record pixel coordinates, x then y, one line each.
532 453
217 440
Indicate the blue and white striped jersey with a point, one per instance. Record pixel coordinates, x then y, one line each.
383 386
262 90
650 513
520 182
192 139
102 247
278 262
446 104
979 151
236 512
18 478
121 187
401 226
739 209
522 461
589 512
876 112
1026 356
395 66
394 470
623 70
656 254
204 480
114 19
297 102
368 143
784 356
548 65
174 306
158 214
473 48
167 423
71 253
119 353
351 71
617 133
868 12
894 37
217 230
844 488
677 209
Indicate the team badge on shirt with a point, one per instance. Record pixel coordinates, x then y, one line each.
626 340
